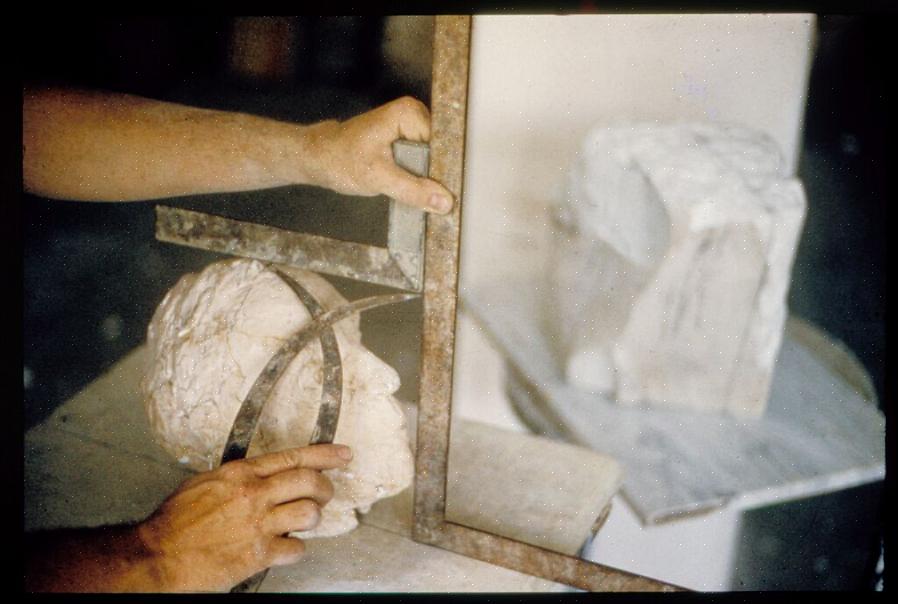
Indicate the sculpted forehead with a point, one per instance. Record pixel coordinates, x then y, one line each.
268 308
225 324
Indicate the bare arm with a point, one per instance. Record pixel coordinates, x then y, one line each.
216 530
110 558
96 146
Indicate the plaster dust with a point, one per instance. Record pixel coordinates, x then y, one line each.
672 261
208 341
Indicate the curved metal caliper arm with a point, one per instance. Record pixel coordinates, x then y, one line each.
251 409
332 367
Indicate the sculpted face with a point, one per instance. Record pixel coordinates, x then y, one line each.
208 341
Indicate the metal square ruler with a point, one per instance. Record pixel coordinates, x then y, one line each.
399 265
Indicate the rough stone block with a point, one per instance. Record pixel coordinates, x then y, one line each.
672 260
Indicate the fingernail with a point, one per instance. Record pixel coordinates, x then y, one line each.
440 203
345 453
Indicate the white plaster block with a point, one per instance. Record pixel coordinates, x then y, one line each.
671 264
539 83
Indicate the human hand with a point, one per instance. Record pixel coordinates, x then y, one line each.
355 157
223 526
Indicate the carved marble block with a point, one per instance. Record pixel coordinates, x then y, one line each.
672 260
207 343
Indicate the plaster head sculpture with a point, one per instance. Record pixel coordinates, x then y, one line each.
208 341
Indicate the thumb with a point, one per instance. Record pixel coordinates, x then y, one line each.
416 191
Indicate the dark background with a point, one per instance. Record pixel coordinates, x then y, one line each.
93 273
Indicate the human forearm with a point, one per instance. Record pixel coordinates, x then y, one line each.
105 559
94 146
